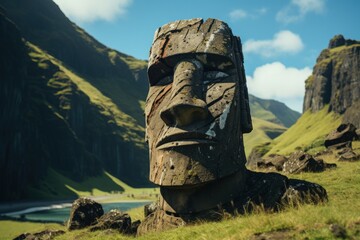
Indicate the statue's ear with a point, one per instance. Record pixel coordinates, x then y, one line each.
246 123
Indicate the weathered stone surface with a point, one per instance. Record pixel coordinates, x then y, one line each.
347 154
341 137
113 220
335 80
268 191
273 162
256 155
265 189
150 208
295 163
300 191
303 162
159 221
84 213
197 83
43 235
196 113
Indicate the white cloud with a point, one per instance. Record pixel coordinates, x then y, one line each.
261 11
276 81
241 14
298 9
282 42
238 14
89 11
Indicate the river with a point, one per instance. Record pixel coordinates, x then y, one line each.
60 212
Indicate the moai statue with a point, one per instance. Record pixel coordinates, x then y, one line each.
196 112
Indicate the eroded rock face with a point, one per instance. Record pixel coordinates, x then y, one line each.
341 137
335 80
113 220
295 163
303 162
84 212
347 154
274 162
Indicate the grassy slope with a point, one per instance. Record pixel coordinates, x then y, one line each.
270 119
310 128
130 130
307 221
260 132
56 186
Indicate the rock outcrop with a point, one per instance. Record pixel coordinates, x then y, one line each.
79 116
341 137
335 80
84 212
302 162
296 162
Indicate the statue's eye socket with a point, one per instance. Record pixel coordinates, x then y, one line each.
211 76
164 81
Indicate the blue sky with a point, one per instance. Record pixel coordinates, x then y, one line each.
281 38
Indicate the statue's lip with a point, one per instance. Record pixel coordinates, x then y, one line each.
185 139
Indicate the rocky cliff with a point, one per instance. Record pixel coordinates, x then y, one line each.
79 115
336 80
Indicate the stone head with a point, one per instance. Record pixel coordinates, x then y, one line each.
197 106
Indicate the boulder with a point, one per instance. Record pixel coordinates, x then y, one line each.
46 234
273 162
84 213
341 137
150 208
300 191
303 162
256 155
114 219
347 154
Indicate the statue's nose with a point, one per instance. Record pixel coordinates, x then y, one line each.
186 105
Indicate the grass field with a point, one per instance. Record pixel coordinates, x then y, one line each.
304 222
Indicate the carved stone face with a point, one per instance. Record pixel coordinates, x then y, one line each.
193 108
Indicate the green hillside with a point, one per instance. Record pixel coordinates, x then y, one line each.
57 115
270 119
308 133
272 111
264 131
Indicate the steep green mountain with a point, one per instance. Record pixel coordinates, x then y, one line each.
272 111
67 102
331 97
42 23
270 119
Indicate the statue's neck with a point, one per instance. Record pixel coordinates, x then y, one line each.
190 200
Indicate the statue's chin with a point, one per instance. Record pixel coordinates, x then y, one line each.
189 142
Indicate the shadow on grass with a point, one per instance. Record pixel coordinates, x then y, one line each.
58 186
